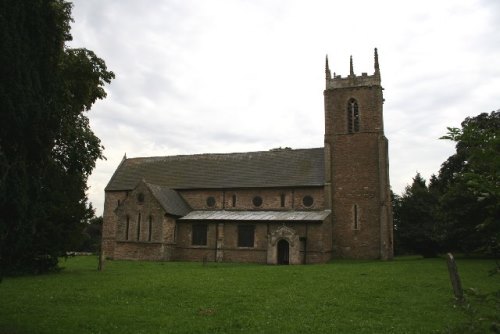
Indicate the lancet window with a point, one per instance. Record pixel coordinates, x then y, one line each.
352 116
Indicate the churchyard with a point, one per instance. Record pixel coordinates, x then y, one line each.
407 295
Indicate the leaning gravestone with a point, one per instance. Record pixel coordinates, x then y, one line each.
100 265
454 277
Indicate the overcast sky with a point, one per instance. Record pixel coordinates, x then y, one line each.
212 76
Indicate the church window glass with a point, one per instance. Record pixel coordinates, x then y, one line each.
355 217
138 226
308 201
246 235
210 202
127 227
199 235
257 201
140 198
150 228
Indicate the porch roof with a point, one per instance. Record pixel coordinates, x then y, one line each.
223 215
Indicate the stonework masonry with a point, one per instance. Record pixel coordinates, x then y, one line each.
278 207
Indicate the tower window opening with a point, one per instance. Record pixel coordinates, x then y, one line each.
282 198
234 201
352 116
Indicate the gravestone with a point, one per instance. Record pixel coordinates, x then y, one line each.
454 277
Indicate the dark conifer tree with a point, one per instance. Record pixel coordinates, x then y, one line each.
417 227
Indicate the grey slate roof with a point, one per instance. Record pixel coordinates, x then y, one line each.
170 200
274 168
309 216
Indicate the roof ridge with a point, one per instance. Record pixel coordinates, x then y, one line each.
181 156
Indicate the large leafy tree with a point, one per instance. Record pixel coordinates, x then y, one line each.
471 180
459 210
47 149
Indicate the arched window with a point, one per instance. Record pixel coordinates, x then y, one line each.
352 116
150 227
127 226
138 227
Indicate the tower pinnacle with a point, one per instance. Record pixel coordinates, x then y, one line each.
328 74
377 68
351 68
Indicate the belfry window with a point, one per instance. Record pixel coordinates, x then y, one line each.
352 116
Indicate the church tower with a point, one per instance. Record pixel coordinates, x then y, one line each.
357 165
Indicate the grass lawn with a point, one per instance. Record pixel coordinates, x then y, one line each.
408 295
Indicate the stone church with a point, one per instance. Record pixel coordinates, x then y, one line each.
282 206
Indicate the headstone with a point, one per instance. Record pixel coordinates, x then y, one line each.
100 265
454 277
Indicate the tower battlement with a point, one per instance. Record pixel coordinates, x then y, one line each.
353 80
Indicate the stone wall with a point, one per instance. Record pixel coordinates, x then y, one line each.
112 200
311 244
243 198
136 227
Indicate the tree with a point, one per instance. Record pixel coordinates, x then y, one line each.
478 143
92 236
474 169
47 149
416 229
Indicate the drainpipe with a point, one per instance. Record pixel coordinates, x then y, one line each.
305 245
216 241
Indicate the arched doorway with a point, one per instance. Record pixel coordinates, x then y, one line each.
283 252
283 246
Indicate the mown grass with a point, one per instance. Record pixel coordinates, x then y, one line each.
408 295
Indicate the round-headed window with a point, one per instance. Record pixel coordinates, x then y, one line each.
140 197
308 201
257 201
210 202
